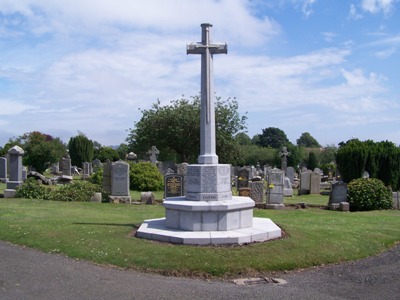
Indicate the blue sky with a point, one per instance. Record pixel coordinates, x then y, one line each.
330 68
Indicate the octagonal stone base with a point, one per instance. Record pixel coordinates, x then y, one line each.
263 229
209 215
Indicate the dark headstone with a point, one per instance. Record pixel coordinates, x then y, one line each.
338 193
243 178
173 185
244 192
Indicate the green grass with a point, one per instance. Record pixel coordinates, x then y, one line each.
310 200
103 233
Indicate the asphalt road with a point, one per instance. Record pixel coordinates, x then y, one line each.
30 274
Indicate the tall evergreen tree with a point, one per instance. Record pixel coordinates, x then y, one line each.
81 149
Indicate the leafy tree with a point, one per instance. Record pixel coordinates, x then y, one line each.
80 149
41 150
381 160
327 154
123 150
296 157
273 137
108 153
175 130
312 162
306 140
253 155
243 139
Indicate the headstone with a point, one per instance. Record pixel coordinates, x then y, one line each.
315 181
147 198
153 153
182 170
284 154
86 170
275 181
253 172
396 200
243 178
131 156
318 170
97 197
305 182
15 155
365 174
338 193
66 166
3 169
290 174
120 182
55 168
173 185
287 188
168 171
97 164
257 191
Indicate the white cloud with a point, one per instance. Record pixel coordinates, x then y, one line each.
307 7
10 107
354 14
377 6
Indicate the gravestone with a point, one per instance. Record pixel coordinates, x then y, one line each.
275 181
287 188
153 153
120 182
396 200
131 156
244 192
305 182
257 190
3 169
338 194
86 170
173 185
315 182
168 171
66 166
97 164
284 154
55 168
15 156
243 178
290 174
147 198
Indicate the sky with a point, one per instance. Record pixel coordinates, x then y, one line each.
330 68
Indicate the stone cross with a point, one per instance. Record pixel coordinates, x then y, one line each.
284 154
153 152
207 115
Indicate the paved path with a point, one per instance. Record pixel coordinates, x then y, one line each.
30 274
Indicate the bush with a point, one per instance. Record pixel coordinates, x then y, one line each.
31 189
80 191
97 177
144 176
368 194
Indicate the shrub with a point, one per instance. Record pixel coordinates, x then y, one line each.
144 176
368 194
80 191
31 189
97 177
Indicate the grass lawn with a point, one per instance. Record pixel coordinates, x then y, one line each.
103 233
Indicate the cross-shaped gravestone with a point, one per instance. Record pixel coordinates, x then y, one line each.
284 154
153 152
207 116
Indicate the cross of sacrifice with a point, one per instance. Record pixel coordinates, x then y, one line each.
207 115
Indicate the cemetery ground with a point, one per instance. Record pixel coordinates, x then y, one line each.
104 233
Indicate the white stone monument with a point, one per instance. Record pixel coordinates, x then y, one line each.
208 213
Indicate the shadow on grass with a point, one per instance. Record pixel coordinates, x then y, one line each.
136 226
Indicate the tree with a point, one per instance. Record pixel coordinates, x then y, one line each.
243 139
122 150
306 140
175 130
108 153
41 150
80 149
273 137
312 162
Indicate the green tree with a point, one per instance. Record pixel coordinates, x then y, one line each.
41 150
123 150
243 139
306 140
273 137
175 130
312 162
108 153
253 155
80 149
